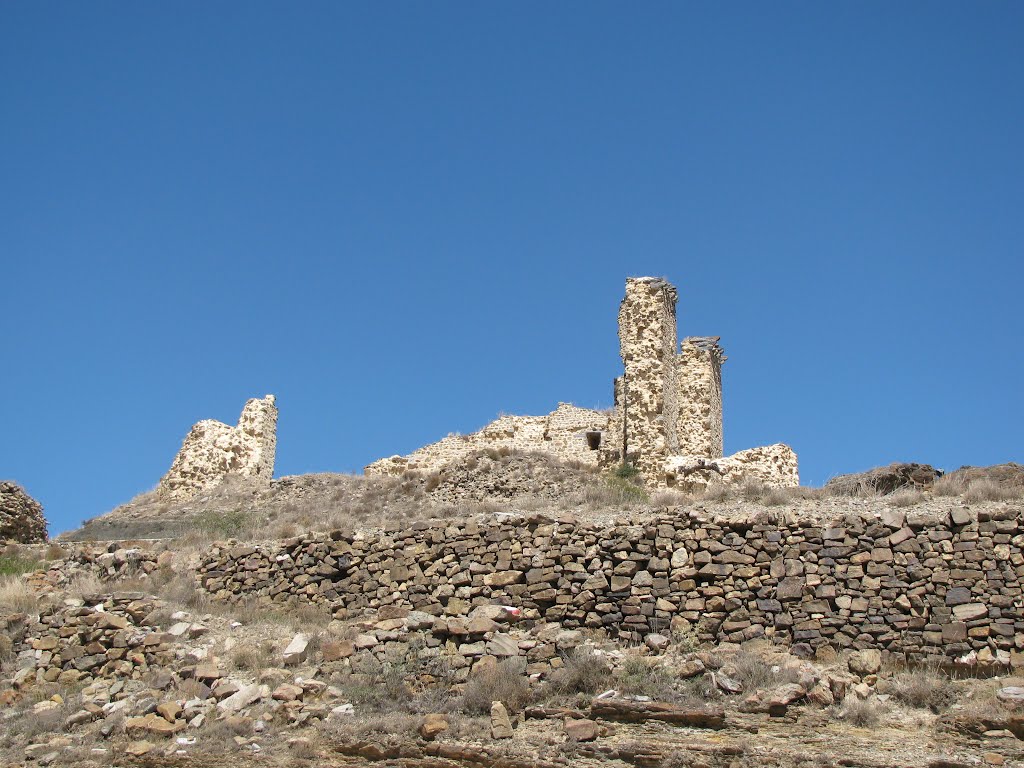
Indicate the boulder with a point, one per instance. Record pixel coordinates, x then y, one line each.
296 651
501 725
581 730
432 725
866 662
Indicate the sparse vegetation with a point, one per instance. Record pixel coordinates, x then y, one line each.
990 490
754 673
626 471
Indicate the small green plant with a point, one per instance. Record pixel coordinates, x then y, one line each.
626 471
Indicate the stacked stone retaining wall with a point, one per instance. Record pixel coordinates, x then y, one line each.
908 585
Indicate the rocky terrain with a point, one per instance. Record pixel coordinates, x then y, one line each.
555 616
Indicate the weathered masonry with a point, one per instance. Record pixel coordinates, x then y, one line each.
948 590
667 419
212 450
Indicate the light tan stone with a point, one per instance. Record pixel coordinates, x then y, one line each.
213 450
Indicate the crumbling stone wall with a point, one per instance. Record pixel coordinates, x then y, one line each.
21 516
773 465
699 380
212 450
667 414
946 589
562 433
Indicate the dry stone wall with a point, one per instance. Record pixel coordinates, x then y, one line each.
21 516
562 433
905 584
213 450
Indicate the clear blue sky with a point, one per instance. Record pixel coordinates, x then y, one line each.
403 218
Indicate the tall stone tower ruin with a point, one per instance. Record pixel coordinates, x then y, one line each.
669 399
699 383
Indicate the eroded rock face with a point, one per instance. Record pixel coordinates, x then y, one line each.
213 450
21 516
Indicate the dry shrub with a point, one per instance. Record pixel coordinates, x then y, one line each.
85 584
778 497
923 688
357 728
716 493
583 672
503 682
949 485
6 648
754 673
16 596
254 657
863 713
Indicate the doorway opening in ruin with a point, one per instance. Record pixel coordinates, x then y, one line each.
593 440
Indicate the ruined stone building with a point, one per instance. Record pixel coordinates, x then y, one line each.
667 419
213 450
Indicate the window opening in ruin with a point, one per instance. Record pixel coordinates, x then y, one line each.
593 440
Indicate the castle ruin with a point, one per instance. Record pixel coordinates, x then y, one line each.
213 450
667 419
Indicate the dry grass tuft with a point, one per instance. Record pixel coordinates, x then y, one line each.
754 673
949 485
905 498
16 596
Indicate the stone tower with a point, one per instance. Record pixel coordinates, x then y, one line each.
669 399
699 382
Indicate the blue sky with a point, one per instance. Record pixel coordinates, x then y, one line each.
405 218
